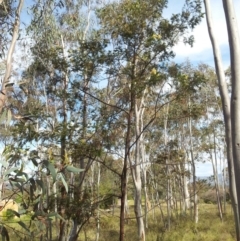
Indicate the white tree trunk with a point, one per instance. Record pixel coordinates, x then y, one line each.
137 175
15 33
234 44
195 197
186 193
226 111
98 211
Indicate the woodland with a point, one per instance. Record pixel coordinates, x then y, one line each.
101 130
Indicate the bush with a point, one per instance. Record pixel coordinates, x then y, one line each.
210 196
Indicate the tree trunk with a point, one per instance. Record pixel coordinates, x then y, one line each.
124 175
195 197
186 194
136 171
3 92
98 211
226 113
215 172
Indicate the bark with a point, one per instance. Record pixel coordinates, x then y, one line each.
226 113
234 44
84 101
124 176
137 175
186 193
216 185
98 210
147 202
15 33
195 197
215 172
62 224
169 194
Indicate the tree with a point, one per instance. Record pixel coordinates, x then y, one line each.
15 33
234 45
229 119
142 40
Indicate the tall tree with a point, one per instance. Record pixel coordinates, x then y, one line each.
234 45
230 130
141 39
14 36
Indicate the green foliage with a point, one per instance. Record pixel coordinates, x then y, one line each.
7 215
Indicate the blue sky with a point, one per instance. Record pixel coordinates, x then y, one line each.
202 50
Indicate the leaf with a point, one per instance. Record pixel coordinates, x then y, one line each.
34 161
14 212
31 193
3 116
23 82
73 169
23 225
10 170
4 163
4 233
20 173
56 215
51 168
9 117
41 184
33 154
9 85
63 181
17 179
33 183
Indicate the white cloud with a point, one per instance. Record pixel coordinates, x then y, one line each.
202 42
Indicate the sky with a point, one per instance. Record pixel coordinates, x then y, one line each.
201 52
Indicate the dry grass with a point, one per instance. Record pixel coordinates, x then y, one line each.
209 227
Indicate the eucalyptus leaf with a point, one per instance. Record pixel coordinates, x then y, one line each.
41 184
9 85
23 225
73 169
4 233
9 117
51 168
4 163
3 116
63 181
10 170
14 212
56 215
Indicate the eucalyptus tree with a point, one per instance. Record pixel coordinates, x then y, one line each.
63 59
10 22
234 47
141 39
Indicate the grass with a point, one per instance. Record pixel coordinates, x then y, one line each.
209 228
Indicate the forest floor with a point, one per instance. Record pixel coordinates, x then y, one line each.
209 227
